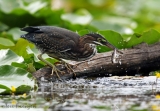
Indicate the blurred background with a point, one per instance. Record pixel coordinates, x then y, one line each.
122 16
124 23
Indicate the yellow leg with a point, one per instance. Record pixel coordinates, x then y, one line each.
54 69
68 66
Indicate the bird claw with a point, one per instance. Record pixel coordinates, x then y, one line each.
62 72
69 68
54 69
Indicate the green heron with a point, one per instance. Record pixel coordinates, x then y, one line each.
61 43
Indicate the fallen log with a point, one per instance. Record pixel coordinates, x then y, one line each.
139 59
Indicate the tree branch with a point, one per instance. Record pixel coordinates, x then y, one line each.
140 59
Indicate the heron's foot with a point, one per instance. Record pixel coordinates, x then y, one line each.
69 68
116 57
54 69
57 71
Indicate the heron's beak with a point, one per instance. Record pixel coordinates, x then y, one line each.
106 43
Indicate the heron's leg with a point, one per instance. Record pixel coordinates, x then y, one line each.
68 66
54 69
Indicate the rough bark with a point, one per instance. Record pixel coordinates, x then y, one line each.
140 59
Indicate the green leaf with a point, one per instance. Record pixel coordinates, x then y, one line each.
83 32
31 68
16 33
20 65
21 47
106 25
36 52
82 17
149 37
19 11
7 57
6 42
17 7
4 88
52 17
112 37
17 77
38 63
8 5
23 89
3 26
35 6
135 39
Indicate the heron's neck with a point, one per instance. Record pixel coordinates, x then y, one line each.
84 45
83 41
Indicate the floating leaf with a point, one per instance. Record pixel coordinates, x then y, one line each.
36 52
8 5
6 42
7 57
38 63
103 25
21 47
35 6
3 26
16 33
82 17
15 77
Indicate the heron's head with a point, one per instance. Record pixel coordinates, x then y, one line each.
97 39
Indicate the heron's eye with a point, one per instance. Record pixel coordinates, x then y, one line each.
101 40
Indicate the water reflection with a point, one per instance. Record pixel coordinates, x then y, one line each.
106 93
109 93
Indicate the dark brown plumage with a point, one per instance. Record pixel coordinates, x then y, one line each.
61 43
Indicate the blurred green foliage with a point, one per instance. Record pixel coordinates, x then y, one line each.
125 17
124 23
